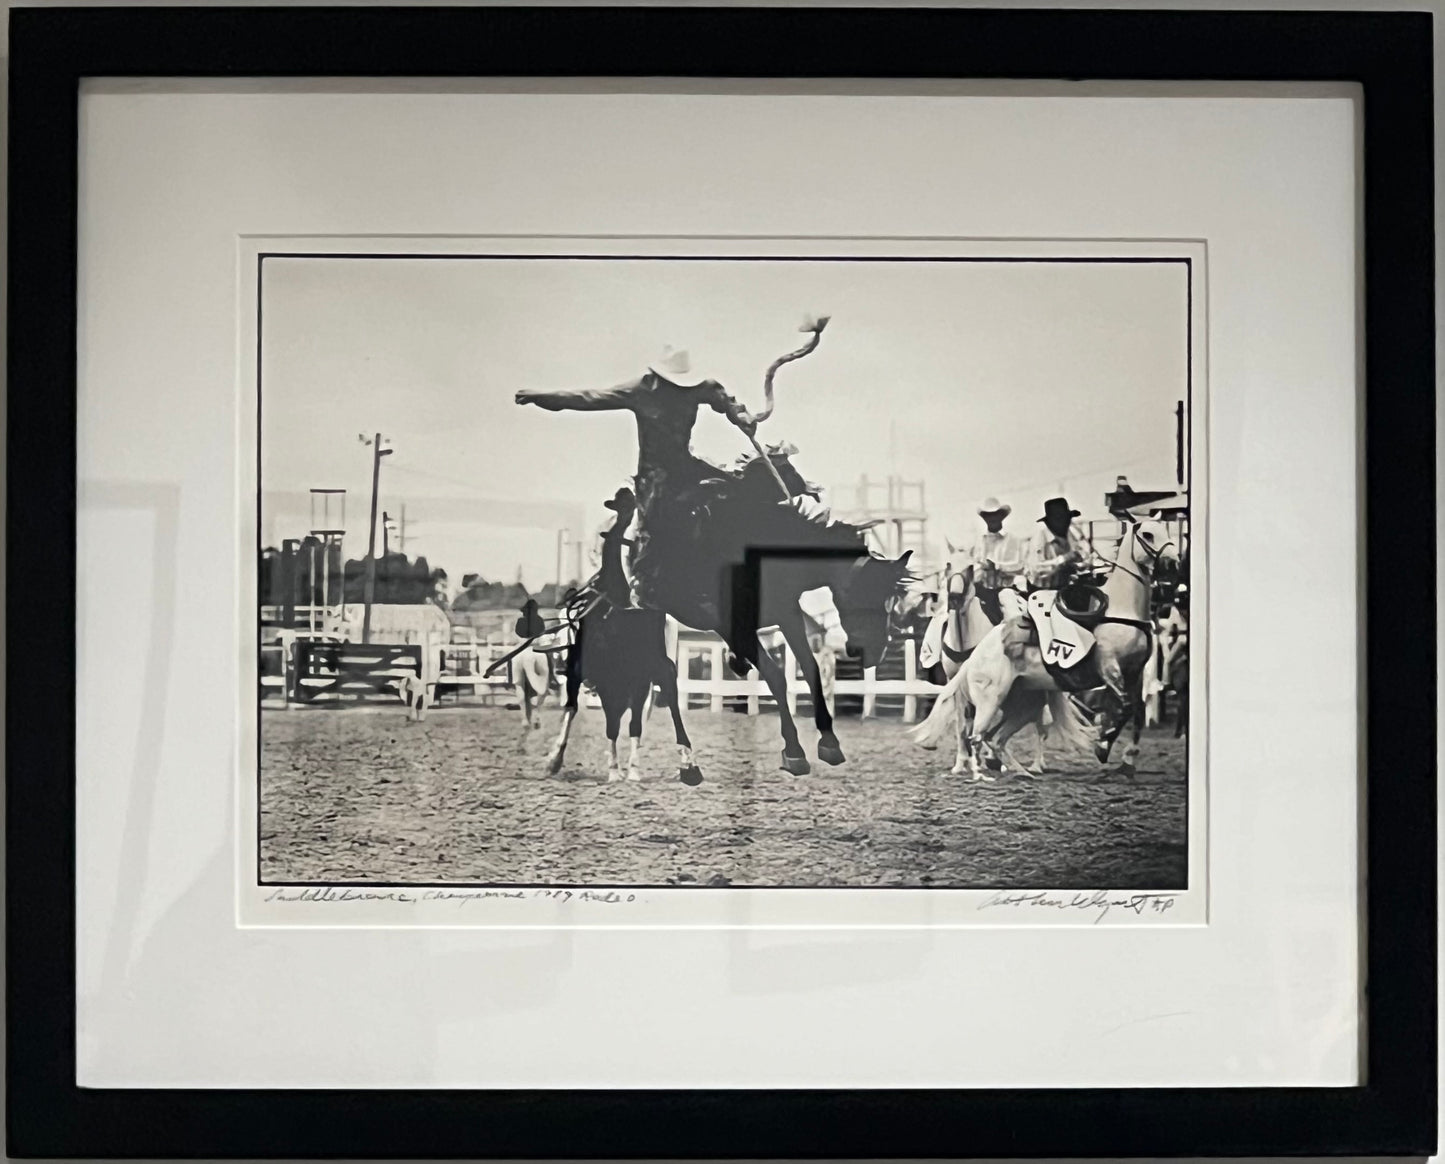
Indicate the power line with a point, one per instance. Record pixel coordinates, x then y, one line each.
489 492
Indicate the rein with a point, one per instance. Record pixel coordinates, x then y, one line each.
568 620
1118 565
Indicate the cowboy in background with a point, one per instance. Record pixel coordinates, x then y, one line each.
1058 550
997 557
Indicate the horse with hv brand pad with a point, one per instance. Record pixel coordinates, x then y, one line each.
1095 639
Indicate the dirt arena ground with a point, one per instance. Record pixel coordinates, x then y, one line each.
365 795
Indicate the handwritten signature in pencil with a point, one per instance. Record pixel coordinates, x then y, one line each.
1097 901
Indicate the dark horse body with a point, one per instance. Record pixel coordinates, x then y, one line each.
621 651
720 550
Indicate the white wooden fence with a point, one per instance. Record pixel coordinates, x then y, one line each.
722 685
461 666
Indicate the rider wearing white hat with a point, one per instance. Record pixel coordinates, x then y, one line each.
675 366
996 555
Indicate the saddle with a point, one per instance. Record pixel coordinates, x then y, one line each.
1064 622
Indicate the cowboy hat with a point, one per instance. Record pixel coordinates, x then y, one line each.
1058 507
675 366
623 496
992 507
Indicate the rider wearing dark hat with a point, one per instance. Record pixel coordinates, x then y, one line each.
612 580
530 625
1058 550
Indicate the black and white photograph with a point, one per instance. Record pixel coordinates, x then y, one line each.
693 570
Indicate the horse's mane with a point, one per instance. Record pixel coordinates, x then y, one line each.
785 525
802 521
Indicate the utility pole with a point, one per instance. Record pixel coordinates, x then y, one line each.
385 532
377 452
401 533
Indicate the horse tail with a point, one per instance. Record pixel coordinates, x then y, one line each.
938 725
1070 724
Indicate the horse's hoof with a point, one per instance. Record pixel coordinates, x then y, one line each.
993 764
982 778
554 763
691 775
1127 770
633 774
797 765
614 776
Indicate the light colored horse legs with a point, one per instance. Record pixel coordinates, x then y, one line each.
1024 708
531 712
413 694
533 673
963 720
559 747
989 683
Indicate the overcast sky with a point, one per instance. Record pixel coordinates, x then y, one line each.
1015 379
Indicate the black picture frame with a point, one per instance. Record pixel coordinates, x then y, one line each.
1389 54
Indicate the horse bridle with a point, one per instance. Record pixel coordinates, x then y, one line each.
1153 558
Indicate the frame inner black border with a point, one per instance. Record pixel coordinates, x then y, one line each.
1186 261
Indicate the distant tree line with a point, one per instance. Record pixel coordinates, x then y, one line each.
296 573
479 594
286 576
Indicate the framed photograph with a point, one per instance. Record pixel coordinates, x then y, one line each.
824 594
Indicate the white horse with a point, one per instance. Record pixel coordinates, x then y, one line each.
532 676
413 693
952 636
1005 677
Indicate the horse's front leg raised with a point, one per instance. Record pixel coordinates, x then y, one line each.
1120 708
795 760
829 750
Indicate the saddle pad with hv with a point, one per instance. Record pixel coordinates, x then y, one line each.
1062 641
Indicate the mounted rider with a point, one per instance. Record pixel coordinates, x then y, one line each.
997 557
682 495
1058 551
1063 600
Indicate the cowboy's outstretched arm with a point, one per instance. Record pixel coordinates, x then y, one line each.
579 399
